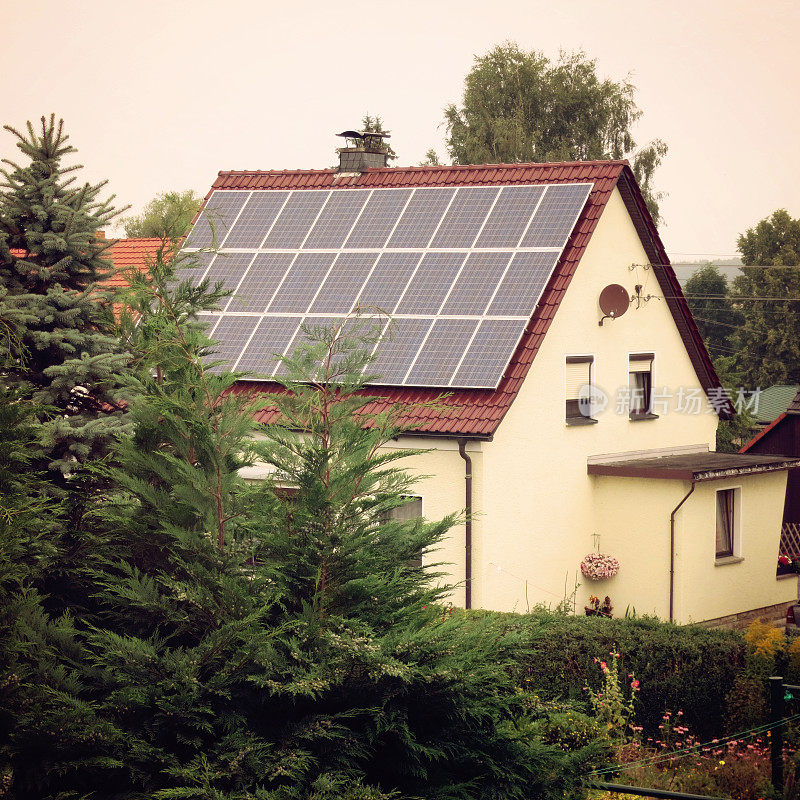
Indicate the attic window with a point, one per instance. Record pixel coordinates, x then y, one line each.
578 390
640 372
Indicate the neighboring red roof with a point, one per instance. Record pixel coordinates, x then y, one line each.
127 253
478 412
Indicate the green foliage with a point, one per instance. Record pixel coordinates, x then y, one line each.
768 343
707 294
431 159
65 352
247 641
369 123
733 433
614 704
678 667
522 107
167 216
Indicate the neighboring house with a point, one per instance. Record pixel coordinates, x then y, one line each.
493 275
782 437
772 402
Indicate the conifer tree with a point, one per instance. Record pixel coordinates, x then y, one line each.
50 263
27 549
276 641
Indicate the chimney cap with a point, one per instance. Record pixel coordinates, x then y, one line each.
364 134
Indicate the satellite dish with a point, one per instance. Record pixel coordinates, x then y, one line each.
614 301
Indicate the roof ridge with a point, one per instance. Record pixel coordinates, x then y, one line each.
434 167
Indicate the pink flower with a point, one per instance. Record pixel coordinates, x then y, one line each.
603 665
634 684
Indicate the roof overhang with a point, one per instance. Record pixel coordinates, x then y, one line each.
691 466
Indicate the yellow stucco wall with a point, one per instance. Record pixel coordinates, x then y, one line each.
635 514
442 488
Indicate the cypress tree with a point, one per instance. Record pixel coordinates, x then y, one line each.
50 263
277 640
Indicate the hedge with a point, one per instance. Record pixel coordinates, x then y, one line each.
685 668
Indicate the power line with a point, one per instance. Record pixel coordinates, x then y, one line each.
726 266
714 744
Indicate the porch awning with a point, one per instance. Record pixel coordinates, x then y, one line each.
702 466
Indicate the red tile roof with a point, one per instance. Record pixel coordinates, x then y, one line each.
478 412
127 253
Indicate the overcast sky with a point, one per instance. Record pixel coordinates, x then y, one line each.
162 94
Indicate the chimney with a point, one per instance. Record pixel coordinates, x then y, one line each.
364 150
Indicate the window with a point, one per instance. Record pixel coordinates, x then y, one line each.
579 390
726 523
640 372
409 510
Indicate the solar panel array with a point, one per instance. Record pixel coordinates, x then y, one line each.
455 271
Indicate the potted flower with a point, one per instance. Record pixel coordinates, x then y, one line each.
598 609
788 565
599 567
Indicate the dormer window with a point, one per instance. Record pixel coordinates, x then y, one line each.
579 390
640 375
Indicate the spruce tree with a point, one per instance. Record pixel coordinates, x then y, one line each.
50 263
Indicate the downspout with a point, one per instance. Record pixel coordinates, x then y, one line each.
672 552
462 451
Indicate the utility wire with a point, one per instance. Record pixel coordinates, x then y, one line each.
693 749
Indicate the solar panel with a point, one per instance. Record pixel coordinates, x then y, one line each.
510 216
378 218
336 219
460 270
301 283
487 356
218 215
465 217
193 266
522 285
556 216
474 287
442 352
397 350
270 340
428 288
389 279
231 335
295 220
339 292
260 282
256 218
228 268
421 217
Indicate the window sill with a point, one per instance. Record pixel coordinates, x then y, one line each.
581 421
725 560
785 576
642 417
